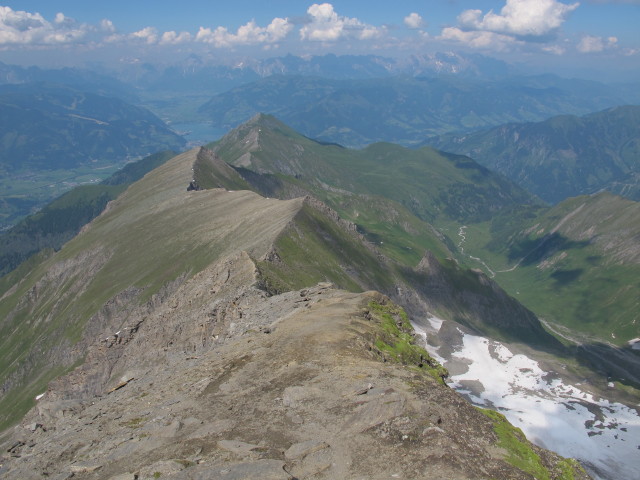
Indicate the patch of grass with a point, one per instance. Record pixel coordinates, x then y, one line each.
136 422
395 340
522 456
185 463
314 248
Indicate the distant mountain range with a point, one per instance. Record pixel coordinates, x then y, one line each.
563 156
84 80
200 74
406 110
48 126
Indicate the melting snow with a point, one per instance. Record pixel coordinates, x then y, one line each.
604 436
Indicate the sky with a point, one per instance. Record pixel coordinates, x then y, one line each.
586 35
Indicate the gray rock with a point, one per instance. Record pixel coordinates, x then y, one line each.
239 448
258 470
160 469
302 449
84 467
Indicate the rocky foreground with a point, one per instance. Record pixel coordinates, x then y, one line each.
306 384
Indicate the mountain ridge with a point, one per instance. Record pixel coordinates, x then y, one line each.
563 156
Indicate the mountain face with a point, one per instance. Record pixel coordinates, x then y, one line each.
564 156
81 79
157 234
577 264
404 110
201 312
433 185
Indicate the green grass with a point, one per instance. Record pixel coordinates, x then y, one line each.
395 339
581 277
521 455
314 249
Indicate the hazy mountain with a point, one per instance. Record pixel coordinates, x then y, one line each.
54 137
81 79
201 74
564 156
405 110
47 126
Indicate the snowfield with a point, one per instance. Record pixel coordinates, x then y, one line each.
604 436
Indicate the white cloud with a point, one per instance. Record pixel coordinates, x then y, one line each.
591 44
148 35
478 39
107 26
413 20
173 38
554 49
326 25
248 34
520 18
24 28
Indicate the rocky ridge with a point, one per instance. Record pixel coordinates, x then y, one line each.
291 386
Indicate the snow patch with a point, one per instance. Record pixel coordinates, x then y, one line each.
603 435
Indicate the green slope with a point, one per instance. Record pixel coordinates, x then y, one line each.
63 218
577 265
434 186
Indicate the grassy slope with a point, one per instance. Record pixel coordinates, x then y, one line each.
575 264
62 219
154 233
389 191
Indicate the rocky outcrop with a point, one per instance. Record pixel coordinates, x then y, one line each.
294 386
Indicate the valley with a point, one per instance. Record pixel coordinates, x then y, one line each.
310 260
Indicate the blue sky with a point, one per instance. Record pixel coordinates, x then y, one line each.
549 34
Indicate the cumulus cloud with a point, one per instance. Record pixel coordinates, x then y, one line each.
24 28
591 44
520 18
554 49
148 35
173 38
248 34
325 25
413 20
